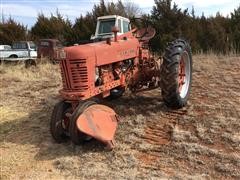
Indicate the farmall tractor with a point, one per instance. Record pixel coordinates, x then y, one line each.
118 59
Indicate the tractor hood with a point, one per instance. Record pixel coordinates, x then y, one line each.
103 52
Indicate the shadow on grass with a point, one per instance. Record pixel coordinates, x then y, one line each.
34 128
127 106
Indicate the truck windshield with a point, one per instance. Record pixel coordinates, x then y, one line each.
32 45
19 45
105 26
44 44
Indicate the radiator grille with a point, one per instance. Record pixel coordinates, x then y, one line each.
74 74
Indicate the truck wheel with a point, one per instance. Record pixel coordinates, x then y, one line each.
59 121
176 74
13 56
76 136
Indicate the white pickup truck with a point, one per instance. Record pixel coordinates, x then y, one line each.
22 50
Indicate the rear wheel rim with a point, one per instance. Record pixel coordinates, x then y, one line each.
184 75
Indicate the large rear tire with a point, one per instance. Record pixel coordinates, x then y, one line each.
76 136
57 129
176 74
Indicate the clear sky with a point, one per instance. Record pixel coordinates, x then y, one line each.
25 11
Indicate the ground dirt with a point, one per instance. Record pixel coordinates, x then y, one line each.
200 141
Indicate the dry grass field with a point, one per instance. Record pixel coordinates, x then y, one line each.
200 141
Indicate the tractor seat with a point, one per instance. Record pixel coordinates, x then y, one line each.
145 34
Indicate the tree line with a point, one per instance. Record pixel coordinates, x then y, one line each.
217 33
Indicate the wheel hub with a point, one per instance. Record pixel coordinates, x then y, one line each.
184 75
65 120
181 75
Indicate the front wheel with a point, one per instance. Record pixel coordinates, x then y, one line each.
76 136
176 74
59 121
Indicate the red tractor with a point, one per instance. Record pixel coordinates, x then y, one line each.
104 68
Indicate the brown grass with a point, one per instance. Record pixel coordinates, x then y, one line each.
200 141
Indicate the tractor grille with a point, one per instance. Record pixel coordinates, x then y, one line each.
74 74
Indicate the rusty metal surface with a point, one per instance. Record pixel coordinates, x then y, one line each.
79 67
145 34
48 48
98 121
